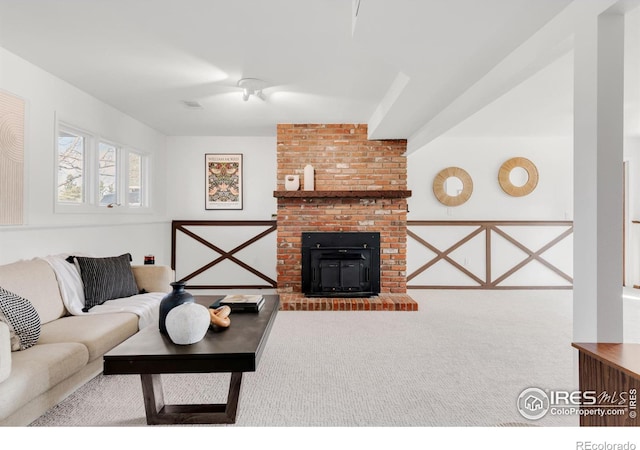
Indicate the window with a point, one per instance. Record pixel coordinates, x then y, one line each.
107 174
134 183
71 166
96 175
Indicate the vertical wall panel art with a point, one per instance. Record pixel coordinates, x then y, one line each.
11 159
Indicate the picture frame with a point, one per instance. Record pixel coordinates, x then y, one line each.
12 158
223 175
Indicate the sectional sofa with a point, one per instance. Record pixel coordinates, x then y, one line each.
71 338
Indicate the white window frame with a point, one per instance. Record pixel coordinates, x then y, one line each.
119 173
144 179
91 178
86 185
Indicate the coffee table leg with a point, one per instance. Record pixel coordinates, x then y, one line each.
234 396
153 396
158 413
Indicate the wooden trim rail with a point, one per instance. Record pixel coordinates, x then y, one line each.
489 228
180 226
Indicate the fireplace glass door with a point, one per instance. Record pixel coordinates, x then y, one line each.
341 266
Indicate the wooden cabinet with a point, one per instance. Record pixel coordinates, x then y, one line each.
611 372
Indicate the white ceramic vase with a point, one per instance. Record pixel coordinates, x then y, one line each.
292 182
308 177
188 323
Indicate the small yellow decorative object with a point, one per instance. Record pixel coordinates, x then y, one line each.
220 316
505 180
440 190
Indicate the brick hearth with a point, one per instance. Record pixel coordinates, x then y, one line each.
382 302
360 185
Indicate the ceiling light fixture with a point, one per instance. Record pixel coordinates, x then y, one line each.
252 86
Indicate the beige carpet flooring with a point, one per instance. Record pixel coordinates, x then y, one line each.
462 359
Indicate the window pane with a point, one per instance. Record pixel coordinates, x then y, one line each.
107 170
71 150
135 179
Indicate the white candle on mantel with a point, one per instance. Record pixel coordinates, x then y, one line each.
308 177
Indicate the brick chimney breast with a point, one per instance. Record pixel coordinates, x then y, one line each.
360 185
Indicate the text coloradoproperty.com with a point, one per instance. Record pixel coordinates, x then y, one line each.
597 411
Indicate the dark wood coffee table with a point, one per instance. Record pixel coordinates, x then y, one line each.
236 349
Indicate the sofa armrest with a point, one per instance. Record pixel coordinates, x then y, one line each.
153 278
5 352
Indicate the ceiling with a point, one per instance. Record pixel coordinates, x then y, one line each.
542 105
397 66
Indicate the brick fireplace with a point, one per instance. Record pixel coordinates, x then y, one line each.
360 186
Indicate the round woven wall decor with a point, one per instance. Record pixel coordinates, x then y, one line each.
441 193
508 186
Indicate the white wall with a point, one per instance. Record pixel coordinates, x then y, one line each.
46 232
632 152
632 255
186 176
482 157
186 181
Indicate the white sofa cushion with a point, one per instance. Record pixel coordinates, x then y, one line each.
44 295
36 370
152 278
5 352
99 333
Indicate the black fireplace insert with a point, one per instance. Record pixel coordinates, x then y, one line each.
340 264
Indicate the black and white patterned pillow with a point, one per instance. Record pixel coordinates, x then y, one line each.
22 317
106 279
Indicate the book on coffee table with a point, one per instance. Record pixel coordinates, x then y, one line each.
241 302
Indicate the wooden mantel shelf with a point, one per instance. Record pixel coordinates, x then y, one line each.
390 193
